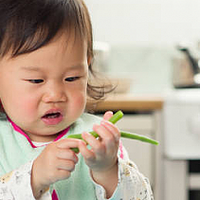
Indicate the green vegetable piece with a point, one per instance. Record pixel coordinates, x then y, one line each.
76 150
116 117
138 137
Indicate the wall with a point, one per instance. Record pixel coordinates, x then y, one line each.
145 21
143 35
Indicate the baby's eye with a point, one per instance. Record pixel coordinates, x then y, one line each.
71 79
36 81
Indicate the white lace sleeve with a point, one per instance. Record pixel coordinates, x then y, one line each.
132 185
16 185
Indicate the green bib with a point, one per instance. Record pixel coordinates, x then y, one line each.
15 150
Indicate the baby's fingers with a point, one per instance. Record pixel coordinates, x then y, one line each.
66 165
108 115
112 129
96 144
67 143
67 154
86 153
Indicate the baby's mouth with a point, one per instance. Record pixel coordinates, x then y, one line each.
52 118
52 115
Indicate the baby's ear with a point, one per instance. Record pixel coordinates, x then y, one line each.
89 60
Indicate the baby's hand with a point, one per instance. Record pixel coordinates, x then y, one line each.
103 153
56 162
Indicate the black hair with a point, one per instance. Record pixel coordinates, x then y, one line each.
27 25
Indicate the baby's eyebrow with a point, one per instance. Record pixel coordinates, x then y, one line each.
31 68
76 67
38 69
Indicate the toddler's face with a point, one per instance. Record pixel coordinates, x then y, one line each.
44 92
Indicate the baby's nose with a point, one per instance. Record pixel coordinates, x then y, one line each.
54 93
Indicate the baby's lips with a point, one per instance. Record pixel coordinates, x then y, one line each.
52 112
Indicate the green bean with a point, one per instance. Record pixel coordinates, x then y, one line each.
138 137
117 116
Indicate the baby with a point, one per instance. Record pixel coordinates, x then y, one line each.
46 51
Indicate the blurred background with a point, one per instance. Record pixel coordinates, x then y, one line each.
151 51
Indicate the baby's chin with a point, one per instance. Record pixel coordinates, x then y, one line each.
50 134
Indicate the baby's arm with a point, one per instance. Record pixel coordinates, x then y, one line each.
102 157
32 180
56 162
115 176
131 183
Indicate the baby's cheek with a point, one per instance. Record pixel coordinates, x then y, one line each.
77 105
80 102
29 108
